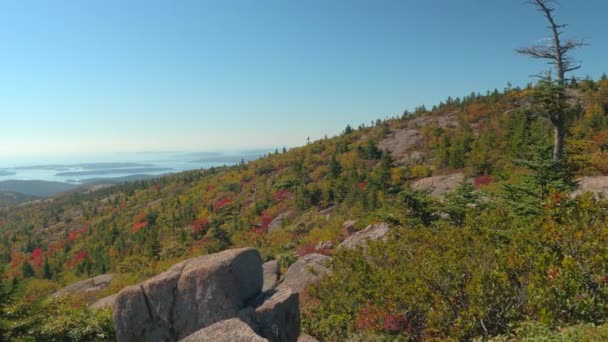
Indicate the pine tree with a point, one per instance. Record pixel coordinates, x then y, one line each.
27 270
46 270
334 168
384 170
546 175
557 54
155 247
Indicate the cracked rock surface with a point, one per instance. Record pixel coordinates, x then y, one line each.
191 295
231 330
372 232
308 269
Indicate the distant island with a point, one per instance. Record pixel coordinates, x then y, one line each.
113 171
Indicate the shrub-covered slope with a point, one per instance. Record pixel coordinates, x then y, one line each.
508 246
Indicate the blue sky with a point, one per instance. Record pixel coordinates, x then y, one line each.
131 75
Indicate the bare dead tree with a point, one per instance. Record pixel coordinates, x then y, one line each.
557 54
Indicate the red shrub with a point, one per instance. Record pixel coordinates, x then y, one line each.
393 323
77 259
368 318
199 225
37 257
306 249
379 319
73 235
482 180
362 185
219 204
266 220
282 195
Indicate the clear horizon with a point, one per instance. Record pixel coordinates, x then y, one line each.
118 76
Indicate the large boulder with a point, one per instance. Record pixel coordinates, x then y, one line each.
372 232
230 330
348 227
307 338
278 221
400 143
189 296
438 185
94 284
105 303
276 315
306 270
597 185
272 271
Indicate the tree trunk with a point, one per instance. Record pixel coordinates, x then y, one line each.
558 147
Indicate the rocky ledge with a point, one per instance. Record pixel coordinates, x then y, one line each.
216 297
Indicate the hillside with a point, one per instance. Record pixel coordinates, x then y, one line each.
9 198
36 188
447 180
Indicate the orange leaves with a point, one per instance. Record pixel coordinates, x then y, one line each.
138 226
73 235
141 221
374 319
477 111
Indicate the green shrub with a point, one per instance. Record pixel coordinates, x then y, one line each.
56 320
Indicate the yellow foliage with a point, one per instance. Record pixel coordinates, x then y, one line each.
421 171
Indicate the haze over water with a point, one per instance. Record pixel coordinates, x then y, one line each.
80 168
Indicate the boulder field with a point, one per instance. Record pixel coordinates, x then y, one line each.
216 297
227 296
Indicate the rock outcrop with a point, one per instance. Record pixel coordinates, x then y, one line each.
217 297
372 232
278 221
307 338
230 330
308 269
189 296
272 272
276 315
597 185
105 303
348 227
94 284
400 143
438 185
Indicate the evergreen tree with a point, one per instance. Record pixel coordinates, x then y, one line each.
546 175
348 130
553 102
46 270
420 207
384 171
27 270
459 201
154 247
334 168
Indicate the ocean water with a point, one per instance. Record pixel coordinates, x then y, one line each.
80 168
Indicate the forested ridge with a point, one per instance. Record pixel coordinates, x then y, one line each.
510 244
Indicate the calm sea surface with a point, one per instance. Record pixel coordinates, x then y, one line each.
79 168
